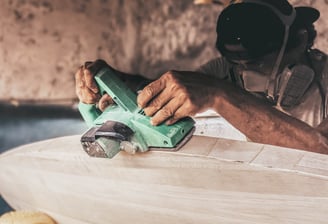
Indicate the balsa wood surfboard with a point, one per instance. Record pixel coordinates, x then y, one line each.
210 180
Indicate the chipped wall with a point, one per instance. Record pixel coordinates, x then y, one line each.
43 42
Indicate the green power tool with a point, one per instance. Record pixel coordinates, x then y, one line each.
124 126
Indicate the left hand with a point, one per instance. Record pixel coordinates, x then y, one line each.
176 95
85 85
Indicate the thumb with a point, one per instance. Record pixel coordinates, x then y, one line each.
105 101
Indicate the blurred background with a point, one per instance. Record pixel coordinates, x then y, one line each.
43 42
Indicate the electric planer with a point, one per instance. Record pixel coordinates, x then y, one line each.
124 126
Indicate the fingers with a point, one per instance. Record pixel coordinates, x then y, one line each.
167 112
186 108
158 102
90 81
86 86
79 78
104 102
163 98
179 113
173 112
87 72
87 96
149 92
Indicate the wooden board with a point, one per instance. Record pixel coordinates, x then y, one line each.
210 180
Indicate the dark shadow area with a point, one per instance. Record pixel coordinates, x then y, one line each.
30 123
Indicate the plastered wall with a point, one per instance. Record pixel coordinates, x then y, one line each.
43 42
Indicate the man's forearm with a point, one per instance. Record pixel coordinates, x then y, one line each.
264 124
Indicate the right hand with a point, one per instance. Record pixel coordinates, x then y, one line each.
86 87
178 94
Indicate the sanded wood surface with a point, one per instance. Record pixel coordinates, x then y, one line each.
210 180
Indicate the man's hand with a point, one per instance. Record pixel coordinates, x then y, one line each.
176 95
86 87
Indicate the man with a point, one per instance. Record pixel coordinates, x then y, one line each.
268 83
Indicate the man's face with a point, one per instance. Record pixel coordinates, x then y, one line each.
254 74
263 65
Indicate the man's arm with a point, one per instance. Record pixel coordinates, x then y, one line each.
179 94
264 124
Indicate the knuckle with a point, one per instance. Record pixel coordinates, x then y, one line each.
156 103
149 90
184 92
166 112
189 106
170 75
88 74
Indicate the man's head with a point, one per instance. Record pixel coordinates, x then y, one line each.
250 29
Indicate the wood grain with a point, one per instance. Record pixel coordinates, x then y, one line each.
210 180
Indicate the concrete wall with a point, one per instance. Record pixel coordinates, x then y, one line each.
43 42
